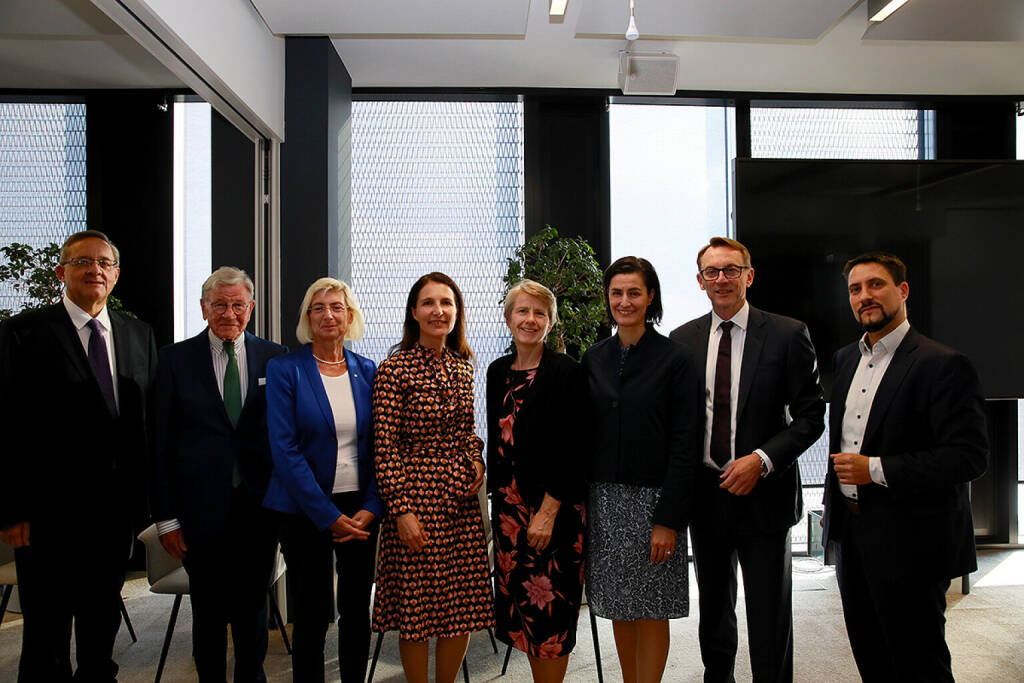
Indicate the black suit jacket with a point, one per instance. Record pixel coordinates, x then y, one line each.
644 422
196 447
779 372
65 456
927 424
548 430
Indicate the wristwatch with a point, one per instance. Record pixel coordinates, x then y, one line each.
764 468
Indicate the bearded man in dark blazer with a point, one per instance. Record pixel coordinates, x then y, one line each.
764 406
212 464
76 378
907 432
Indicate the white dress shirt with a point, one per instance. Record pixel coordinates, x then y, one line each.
738 335
874 361
220 365
80 319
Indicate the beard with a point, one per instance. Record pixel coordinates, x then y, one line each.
876 325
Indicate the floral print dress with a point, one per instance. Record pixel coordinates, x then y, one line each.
425 448
537 593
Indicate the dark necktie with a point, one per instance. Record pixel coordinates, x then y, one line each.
721 404
232 386
100 362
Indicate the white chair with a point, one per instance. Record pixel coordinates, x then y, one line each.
167 577
9 579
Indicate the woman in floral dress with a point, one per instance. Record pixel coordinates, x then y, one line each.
432 575
534 399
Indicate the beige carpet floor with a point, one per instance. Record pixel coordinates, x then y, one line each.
985 630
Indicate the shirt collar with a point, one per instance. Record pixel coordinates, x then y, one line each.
740 319
79 318
217 344
887 344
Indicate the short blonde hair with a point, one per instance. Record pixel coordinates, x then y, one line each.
537 290
304 333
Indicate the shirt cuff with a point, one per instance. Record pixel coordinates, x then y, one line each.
877 473
766 460
167 526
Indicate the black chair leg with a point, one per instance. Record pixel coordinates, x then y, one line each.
6 599
167 638
494 643
275 612
597 645
504 665
128 622
376 654
465 670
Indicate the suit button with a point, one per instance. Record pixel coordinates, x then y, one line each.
615 404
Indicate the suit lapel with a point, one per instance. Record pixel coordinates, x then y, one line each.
902 360
201 361
752 345
356 381
312 372
699 345
67 338
253 361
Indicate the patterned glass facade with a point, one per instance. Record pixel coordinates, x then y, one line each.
809 133
42 177
436 186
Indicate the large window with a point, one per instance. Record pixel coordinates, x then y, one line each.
192 229
831 133
436 186
670 191
42 177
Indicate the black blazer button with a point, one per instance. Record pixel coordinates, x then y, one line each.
615 404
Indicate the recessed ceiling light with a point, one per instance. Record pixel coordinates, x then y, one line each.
558 8
879 10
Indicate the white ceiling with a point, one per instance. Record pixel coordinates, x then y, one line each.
813 46
69 44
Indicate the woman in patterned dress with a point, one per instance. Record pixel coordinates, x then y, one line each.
535 477
432 576
645 399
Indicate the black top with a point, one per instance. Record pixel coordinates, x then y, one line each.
547 429
645 419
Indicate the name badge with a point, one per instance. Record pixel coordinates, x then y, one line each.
261 381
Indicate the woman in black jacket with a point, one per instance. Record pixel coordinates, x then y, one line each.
645 399
534 403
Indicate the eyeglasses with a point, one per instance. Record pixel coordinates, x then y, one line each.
320 309
730 272
85 262
220 308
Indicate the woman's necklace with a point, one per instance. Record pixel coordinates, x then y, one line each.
329 362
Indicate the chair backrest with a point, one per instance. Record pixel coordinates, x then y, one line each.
159 563
8 575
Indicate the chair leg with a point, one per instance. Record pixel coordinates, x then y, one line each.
128 621
597 644
376 654
465 670
275 612
167 638
494 643
6 599
504 665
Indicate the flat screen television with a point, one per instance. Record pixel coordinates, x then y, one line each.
958 225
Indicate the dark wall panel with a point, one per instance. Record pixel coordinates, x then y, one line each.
129 146
232 196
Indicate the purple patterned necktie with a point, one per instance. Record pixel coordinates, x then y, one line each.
721 418
100 362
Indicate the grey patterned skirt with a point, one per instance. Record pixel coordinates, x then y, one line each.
622 583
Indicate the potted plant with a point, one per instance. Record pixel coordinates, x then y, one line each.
566 266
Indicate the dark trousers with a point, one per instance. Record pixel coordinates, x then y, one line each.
896 623
309 552
228 575
719 541
67 575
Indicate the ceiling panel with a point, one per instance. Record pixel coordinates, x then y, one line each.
396 17
953 20
117 62
54 18
775 19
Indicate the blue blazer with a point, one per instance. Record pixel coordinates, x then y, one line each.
195 447
303 439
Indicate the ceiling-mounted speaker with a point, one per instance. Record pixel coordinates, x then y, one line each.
648 73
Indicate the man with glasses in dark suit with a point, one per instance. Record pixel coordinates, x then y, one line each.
76 378
763 407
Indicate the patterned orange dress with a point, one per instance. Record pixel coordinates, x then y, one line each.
425 446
